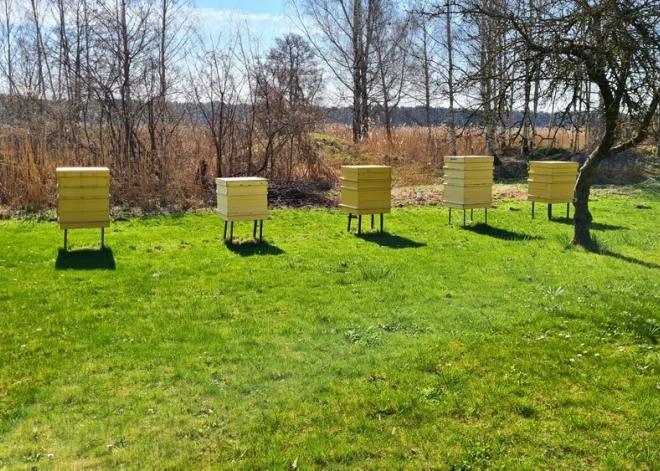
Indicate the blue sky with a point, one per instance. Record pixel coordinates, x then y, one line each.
272 7
266 19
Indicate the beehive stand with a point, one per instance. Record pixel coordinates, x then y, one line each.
551 182
83 199
468 184
242 199
366 190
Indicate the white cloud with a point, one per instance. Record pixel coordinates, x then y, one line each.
215 14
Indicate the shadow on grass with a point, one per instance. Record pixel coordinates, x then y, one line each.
498 233
625 258
386 239
594 225
86 259
250 248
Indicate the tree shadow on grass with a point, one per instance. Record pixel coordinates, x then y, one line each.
599 226
250 248
85 259
501 234
386 239
596 249
625 258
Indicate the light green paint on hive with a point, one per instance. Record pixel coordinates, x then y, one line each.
242 198
366 189
83 197
468 182
551 182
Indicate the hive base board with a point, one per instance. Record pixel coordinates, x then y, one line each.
363 211
459 205
243 217
84 224
540 199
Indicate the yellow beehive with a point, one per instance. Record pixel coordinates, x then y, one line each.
242 198
551 182
83 197
366 189
468 182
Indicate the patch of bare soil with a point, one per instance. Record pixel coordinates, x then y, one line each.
302 195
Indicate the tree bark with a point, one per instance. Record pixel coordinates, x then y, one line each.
450 82
357 70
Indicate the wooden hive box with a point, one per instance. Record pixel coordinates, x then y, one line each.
468 182
83 197
366 189
551 182
242 198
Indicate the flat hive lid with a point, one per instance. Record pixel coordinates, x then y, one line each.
82 171
365 166
553 164
469 158
232 181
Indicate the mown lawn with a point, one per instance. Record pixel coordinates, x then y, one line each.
432 347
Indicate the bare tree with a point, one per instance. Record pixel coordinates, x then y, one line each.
391 46
342 33
293 73
613 45
215 92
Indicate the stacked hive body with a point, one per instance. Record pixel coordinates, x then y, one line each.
468 182
366 189
551 182
83 197
242 199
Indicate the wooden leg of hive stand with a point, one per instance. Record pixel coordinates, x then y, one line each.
359 224
254 230
381 222
568 210
472 215
463 217
486 216
231 232
372 222
350 217
102 237
449 215
261 230
65 234
532 210
549 212
224 234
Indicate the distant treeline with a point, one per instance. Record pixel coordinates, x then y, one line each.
416 115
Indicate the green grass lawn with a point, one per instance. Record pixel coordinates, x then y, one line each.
430 347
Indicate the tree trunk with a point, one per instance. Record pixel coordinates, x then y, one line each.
450 83
357 70
427 83
582 218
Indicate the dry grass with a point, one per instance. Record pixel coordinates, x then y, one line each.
182 177
418 158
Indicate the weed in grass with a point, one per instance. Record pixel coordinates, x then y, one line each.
599 244
553 293
652 330
565 240
367 336
374 273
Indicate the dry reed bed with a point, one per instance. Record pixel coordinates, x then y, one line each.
183 177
